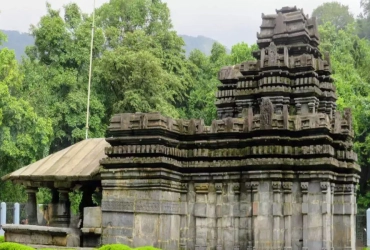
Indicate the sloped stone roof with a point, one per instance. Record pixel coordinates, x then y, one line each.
78 162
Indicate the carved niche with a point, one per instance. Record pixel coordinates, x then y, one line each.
272 55
267 110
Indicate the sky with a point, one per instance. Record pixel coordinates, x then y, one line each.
227 21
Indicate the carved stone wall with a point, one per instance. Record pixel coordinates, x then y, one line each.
277 170
237 210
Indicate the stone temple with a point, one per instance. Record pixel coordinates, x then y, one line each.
275 171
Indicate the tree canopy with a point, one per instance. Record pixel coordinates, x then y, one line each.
335 13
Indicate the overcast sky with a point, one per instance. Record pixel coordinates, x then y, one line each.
227 21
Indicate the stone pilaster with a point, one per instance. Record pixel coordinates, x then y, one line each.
200 213
236 213
255 212
304 188
249 214
219 191
332 188
211 216
184 219
349 215
277 213
325 209
287 187
32 206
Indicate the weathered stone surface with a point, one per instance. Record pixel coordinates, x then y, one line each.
277 169
92 217
41 235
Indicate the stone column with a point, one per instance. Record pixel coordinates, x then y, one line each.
332 188
349 215
236 214
200 213
287 186
63 217
218 187
248 209
184 220
304 187
255 207
276 212
211 217
325 209
32 206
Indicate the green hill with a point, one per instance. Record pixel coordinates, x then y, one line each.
19 41
202 43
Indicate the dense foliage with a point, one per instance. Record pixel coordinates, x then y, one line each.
139 65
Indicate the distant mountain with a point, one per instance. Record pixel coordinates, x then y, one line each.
202 43
19 41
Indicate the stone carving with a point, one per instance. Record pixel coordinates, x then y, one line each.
218 187
304 186
272 55
324 186
236 188
287 186
276 185
267 110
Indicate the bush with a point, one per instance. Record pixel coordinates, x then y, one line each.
2 239
115 247
14 246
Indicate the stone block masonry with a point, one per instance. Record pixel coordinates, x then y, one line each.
275 171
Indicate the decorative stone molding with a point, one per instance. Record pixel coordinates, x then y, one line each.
201 187
304 187
236 188
287 187
255 185
324 186
276 186
218 188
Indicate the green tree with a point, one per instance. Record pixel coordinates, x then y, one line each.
25 137
201 102
57 75
350 57
363 20
144 68
334 12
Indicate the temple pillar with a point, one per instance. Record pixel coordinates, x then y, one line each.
63 216
53 206
32 206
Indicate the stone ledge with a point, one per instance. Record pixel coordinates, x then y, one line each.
39 229
91 230
40 235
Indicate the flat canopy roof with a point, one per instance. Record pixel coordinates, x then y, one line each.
79 162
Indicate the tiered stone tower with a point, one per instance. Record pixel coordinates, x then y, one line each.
276 171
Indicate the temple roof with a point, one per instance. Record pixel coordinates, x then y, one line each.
79 162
